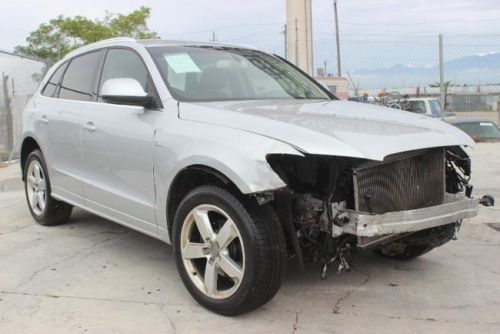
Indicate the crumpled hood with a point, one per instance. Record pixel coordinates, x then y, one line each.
340 128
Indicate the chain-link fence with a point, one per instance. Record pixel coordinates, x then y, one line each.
376 63
19 79
410 64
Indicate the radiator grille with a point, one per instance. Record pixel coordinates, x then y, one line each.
408 181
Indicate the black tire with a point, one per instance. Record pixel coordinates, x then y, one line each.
418 243
265 249
410 252
54 212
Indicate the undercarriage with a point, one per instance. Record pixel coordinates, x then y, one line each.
401 208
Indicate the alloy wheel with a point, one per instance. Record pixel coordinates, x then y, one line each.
212 251
36 187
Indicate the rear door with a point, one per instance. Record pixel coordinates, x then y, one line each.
118 149
75 93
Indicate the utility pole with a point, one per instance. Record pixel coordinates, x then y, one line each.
296 43
324 67
441 76
285 34
214 39
339 68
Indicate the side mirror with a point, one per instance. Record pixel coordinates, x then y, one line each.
125 91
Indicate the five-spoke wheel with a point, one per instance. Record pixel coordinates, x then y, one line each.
230 252
212 251
36 187
44 209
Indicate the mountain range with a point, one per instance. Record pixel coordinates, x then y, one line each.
471 70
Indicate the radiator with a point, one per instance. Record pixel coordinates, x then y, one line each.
406 181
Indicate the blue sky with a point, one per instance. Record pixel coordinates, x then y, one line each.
374 33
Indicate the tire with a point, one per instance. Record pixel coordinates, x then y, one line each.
45 210
410 252
257 250
418 243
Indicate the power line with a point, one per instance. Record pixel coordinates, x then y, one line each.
418 23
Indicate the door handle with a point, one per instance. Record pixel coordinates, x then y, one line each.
44 119
89 126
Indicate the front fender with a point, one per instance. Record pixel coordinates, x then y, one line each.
238 155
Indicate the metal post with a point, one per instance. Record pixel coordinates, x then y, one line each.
441 76
285 33
339 68
296 43
8 115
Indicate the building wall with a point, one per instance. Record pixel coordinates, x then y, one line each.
336 85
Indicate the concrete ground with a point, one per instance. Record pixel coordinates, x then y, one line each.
94 276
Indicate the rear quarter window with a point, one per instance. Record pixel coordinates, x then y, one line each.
50 88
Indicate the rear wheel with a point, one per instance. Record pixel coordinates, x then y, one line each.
44 209
230 252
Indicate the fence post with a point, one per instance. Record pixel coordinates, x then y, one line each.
8 113
442 96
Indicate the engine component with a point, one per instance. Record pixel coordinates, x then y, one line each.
412 180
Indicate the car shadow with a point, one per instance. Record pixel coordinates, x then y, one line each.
363 264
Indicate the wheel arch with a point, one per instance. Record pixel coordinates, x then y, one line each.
28 145
188 179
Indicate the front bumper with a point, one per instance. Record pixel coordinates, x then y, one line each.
455 208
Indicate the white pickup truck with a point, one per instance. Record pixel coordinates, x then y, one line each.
424 105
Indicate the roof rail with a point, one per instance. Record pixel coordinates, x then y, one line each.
103 42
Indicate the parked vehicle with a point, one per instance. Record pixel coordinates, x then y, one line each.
240 161
480 129
425 105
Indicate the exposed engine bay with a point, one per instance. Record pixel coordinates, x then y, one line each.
332 206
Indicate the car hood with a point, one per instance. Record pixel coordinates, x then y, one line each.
340 128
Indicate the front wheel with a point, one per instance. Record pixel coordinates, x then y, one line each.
230 252
44 209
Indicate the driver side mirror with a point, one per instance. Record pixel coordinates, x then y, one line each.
126 91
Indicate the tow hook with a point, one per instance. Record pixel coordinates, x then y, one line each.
487 200
343 255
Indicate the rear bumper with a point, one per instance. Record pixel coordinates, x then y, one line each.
454 209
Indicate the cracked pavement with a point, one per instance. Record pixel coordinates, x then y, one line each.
93 276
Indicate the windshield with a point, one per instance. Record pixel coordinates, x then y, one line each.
435 107
480 130
200 73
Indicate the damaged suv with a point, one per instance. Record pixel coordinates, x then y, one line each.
240 161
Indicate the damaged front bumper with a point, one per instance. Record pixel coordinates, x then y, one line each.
455 208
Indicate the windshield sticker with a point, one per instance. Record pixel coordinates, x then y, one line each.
485 124
181 63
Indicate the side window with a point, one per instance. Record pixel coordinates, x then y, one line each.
417 107
121 63
79 79
51 86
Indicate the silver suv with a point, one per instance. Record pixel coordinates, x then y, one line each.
240 161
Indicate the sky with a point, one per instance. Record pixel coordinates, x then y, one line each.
374 34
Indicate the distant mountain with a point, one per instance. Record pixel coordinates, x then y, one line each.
470 69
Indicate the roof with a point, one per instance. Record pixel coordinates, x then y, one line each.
147 43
